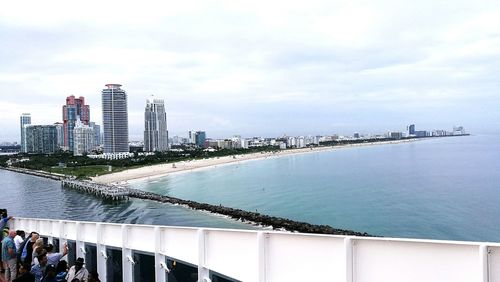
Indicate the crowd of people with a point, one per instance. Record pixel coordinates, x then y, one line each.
29 259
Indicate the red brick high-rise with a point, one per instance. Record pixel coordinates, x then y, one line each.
74 109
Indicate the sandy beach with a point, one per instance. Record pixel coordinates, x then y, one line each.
160 170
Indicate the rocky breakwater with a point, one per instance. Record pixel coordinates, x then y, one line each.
254 217
38 173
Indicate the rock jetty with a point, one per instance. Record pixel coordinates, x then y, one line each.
254 217
38 173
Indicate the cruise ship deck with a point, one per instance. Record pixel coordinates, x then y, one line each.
129 252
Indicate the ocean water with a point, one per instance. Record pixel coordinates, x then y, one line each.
440 188
446 188
30 196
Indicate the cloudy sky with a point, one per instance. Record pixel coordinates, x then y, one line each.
257 67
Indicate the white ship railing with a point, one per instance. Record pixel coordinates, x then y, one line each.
248 255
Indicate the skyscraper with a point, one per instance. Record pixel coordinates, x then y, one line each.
75 109
115 119
25 119
84 139
411 129
41 139
200 139
155 126
197 138
97 133
60 134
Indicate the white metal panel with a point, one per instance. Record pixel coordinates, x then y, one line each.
20 224
88 232
294 257
234 254
55 228
111 235
31 225
403 261
180 243
273 256
69 230
141 238
45 227
494 264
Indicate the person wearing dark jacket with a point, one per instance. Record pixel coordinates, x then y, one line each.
24 274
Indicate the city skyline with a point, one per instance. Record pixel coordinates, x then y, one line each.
236 68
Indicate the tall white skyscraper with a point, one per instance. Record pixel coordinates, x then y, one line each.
25 119
83 138
115 119
155 126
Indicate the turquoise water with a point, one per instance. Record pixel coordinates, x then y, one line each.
446 188
30 196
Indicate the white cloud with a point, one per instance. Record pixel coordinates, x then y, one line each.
235 65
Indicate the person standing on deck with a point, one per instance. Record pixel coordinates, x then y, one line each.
3 223
54 258
9 256
78 271
39 269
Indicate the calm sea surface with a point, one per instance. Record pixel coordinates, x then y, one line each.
446 188
442 188
30 196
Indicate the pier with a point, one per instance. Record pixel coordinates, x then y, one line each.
115 193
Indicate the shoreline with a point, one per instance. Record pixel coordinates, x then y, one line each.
161 170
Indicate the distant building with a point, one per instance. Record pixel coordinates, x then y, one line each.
200 139
197 138
291 142
177 140
301 142
396 135
115 119
458 130
60 134
356 135
41 139
155 126
421 133
411 129
192 137
97 133
75 109
25 119
83 139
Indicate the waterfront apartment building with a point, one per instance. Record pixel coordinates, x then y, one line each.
75 109
25 119
60 134
115 119
155 126
197 138
411 129
97 133
84 139
41 139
